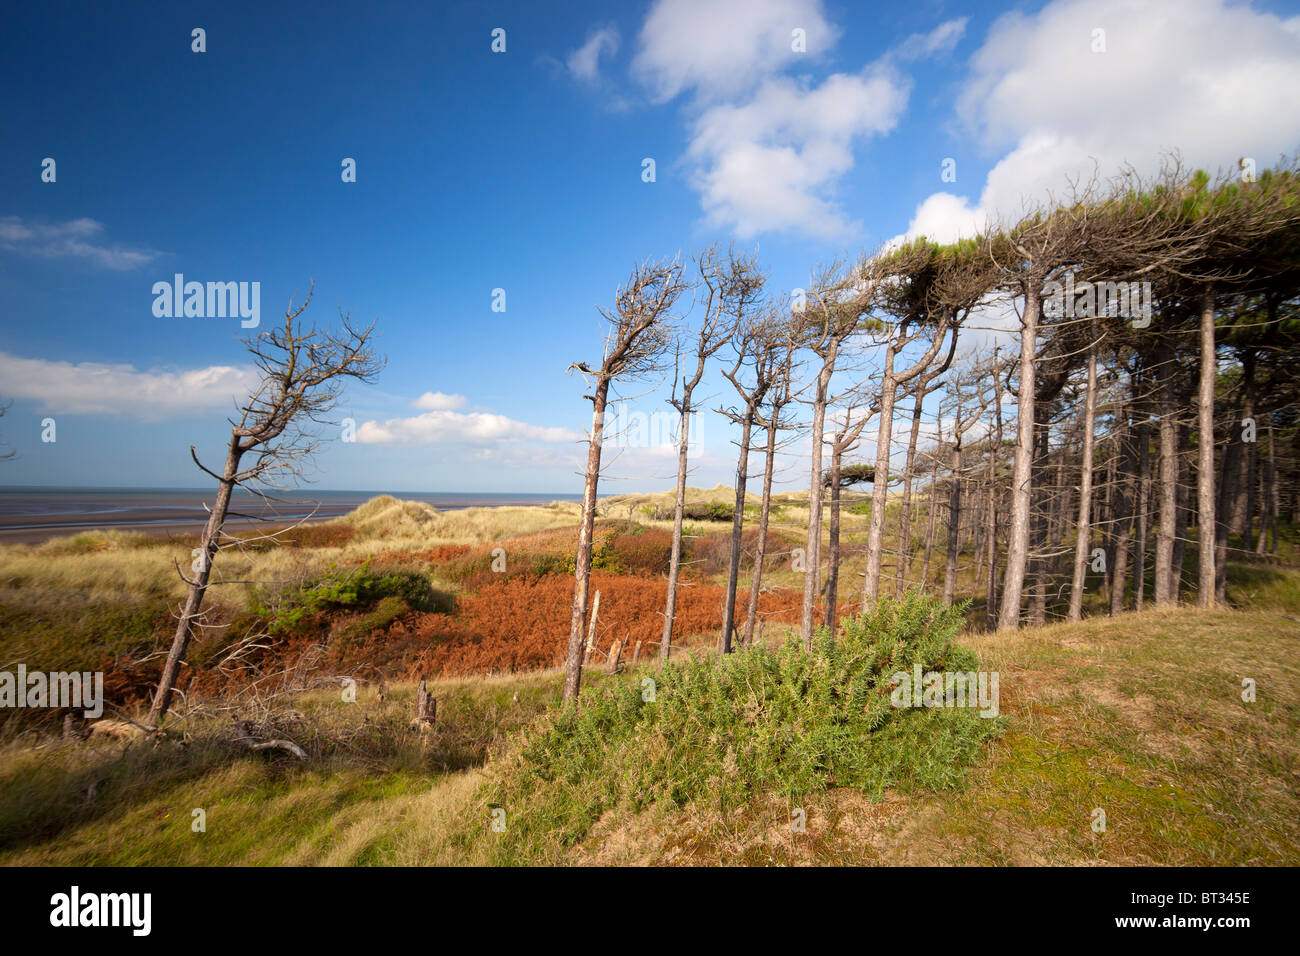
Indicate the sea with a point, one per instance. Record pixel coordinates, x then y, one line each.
31 514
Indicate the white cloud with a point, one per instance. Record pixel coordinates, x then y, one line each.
941 39
768 150
770 163
444 426
724 47
1214 81
584 62
99 388
439 401
72 239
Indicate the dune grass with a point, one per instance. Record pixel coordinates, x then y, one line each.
1139 716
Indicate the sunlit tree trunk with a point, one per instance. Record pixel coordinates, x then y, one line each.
1083 538
586 527
1205 470
1021 492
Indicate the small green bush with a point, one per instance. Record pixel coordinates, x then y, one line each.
359 587
717 731
705 511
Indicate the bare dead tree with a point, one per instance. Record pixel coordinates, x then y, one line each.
924 385
726 284
753 347
836 304
965 389
843 440
640 330
303 371
779 363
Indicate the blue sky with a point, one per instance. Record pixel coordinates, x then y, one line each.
522 171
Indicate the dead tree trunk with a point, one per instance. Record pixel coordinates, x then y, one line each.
586 528
954 517
760 551
1166 586
1205 471
729 286
198 585
904 558
638 338
302 374
1082 540
1143 507
737 527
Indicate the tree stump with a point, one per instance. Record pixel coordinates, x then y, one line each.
426 707
591 628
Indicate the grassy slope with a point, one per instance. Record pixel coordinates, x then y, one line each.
1141 717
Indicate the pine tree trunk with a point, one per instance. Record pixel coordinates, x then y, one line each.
679 507
1165 584
1205 471
765 510
991 611
198 587
1021 492
1274 493
812 559
1123 511
1143 506
737 527
1183 514
833 555
1223 508
880 484
1037 609
954 519
930 522
582 563
1249 466
905 507
1082 541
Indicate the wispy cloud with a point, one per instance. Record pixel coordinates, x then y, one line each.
942 39
584 62
120 389
74 239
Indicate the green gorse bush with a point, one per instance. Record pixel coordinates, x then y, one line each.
717 731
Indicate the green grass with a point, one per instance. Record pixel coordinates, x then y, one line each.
1138 715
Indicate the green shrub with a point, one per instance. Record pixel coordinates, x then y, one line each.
389 609
704 511
718 731
359 587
